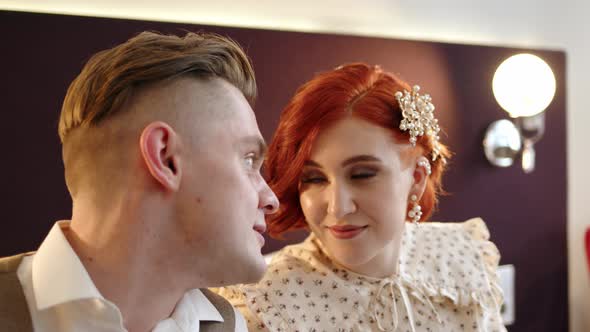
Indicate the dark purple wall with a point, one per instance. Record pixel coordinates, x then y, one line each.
526 214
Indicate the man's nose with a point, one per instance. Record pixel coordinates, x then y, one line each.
268 200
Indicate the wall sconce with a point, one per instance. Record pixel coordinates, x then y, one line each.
524 86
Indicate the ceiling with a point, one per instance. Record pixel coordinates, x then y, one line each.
464 21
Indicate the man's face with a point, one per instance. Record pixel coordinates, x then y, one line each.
222 197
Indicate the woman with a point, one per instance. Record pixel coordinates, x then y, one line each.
356 155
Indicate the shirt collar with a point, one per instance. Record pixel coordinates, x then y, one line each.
193 308
58 274
60 277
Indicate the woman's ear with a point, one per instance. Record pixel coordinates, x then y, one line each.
421 172
160 148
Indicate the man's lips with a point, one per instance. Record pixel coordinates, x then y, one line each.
346 231
260 229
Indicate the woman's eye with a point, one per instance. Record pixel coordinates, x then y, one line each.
312 179
362 175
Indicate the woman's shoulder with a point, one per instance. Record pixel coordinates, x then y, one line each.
455 260
293 261
295 275
286 264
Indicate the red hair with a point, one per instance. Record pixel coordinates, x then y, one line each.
357 90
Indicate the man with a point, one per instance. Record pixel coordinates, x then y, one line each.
162 159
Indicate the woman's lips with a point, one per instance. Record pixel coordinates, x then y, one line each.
346 231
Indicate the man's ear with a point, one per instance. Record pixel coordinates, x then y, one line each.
160 148
420 175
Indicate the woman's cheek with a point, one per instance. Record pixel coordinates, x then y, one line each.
309 205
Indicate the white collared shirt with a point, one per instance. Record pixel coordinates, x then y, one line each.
62 297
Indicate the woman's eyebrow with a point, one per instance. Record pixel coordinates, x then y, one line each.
356 159
312 163
346 162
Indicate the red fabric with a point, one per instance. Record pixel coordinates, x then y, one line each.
588 246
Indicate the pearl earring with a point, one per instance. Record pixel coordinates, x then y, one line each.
415 213
426 165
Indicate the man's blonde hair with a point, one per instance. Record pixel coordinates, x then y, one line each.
111 76
92 147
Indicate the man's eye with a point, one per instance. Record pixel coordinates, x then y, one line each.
249 161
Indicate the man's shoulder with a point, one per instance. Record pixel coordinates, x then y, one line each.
215 299
225 309
11 263
14 311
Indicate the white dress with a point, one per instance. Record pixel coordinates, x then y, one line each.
447 282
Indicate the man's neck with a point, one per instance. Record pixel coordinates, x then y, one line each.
142 286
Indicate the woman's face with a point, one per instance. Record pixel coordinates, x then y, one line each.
354 193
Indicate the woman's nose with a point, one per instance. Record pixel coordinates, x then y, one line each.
340 201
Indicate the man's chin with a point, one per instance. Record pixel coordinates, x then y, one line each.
249 271
257 269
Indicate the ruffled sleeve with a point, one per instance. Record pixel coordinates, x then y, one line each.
453 261
490 256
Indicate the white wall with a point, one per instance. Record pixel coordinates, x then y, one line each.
527 23
574 32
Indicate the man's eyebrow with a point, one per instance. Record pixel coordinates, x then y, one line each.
347 162
256 141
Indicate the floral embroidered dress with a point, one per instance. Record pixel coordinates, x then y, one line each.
447 282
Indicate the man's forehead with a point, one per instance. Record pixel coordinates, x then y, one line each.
212 96
255 141
226 112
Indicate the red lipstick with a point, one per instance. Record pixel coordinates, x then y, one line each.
346 231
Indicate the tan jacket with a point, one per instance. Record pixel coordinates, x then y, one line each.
14 311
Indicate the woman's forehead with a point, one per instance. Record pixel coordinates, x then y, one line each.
351 137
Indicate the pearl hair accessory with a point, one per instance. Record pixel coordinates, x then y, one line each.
426 165
415 213
418 117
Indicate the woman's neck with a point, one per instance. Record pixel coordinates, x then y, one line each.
384 264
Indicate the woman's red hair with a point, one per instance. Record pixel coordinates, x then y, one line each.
357 90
